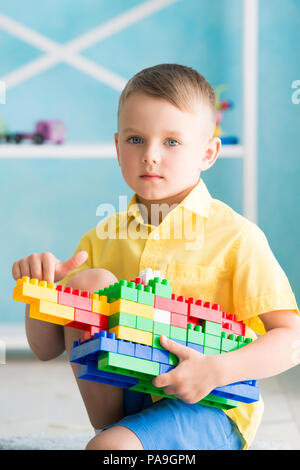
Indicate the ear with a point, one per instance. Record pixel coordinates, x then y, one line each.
211 153
116 136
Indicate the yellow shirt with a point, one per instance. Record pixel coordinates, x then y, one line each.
207 251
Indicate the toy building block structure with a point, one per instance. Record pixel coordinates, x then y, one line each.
121 327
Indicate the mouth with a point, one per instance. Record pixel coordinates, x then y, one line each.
150 176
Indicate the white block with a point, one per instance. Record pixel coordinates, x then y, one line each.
162 316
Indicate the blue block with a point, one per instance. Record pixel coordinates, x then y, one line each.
160 355
238 391
102 341
164 368
198 347
126 347
143 351
90 371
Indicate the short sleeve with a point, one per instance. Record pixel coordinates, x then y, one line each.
259 283
84 244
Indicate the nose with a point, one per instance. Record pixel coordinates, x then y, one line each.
151 155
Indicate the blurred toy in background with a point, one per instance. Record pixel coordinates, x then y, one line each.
45 131
223 105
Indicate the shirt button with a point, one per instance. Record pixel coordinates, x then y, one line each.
156 236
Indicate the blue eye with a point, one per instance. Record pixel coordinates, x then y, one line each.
172 142
134 140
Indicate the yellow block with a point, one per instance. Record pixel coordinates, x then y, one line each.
131 334
135 308
52 313
28 290
100 304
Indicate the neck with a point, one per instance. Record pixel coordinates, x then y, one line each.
154 211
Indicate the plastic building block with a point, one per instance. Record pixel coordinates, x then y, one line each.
197 347
121 328
242 341
144 324
231 325
120 290
145 295
179 304
212 328
162 316
127 306
102 341
160 355
204 310
114 362
178 333
161 287
74 298
51 312
179 320
143 351
91 372
161 328
131 334
83 319
195 334
212 341
210 351
27 290
228 342
239 391
100 304
121 318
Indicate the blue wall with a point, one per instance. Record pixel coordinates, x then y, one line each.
48 204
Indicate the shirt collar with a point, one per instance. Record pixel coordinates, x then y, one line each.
198 201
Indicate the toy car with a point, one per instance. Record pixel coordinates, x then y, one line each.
51 131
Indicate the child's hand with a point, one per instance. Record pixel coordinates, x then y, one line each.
46 267
192 379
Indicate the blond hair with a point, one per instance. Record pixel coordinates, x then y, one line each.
182 86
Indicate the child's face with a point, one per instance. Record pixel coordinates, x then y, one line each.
156 137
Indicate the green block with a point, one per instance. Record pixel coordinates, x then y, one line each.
122 364
210 351
178 333
209 400
212 328
228 342
161 329
120 290
161 288
144 324
212 341
156 342
145 295
242 341
195 334
121 318
173 359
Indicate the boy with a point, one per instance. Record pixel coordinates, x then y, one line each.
166 122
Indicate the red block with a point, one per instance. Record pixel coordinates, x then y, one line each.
230 325
204 310
84 320
179 304
74 298
179 320
138 280
163 303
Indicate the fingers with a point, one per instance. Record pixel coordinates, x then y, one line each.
39 266
62 269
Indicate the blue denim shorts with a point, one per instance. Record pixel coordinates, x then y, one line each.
171 424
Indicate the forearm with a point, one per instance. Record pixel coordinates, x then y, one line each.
270 354
46 340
